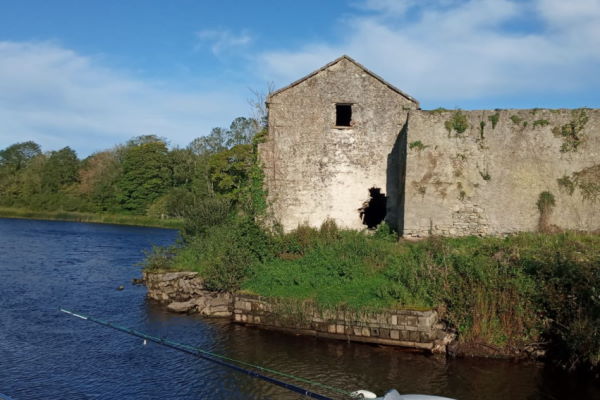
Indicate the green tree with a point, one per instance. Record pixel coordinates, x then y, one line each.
211 144
19 155
242 131
98 176
29 192
229 170
146 175
60 170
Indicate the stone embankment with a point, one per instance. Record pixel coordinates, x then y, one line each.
184 292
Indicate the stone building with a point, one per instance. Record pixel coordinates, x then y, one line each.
346 145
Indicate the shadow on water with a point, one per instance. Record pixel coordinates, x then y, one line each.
45 354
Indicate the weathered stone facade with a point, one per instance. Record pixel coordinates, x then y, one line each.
316 170
484 180
184 292
488 179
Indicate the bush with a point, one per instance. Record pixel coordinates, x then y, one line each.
204 213
159 258
225 254
458 122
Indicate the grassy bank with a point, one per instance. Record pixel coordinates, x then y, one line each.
117 219
500 293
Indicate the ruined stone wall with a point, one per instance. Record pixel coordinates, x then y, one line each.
407 328
488 179
315 171
184 292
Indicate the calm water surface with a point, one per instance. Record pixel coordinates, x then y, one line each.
45 354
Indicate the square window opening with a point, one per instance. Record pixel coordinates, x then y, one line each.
343 114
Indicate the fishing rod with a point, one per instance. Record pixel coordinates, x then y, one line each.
199 353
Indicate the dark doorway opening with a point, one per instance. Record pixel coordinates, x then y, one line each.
343 114
373 210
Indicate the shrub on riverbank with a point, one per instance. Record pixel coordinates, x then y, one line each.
503 293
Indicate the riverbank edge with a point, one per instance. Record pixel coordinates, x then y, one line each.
184 292
72 216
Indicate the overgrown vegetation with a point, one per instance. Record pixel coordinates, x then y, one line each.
587 181
540 122
494 118
417 145
545 205
516 119
501 292
458 123
565 183
439 110
504 293
572 131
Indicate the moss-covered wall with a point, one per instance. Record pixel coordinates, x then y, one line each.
484 172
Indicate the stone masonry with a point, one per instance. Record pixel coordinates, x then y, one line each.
316 170
483 178
183 292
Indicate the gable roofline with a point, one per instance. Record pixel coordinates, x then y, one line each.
345 57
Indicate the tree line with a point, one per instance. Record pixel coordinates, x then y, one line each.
140 177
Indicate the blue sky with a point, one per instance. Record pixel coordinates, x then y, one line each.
92 74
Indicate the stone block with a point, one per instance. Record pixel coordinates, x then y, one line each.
394 320
239 305
220 308
411 320
414 336
394 334
181 307
365 332
331 328
221 314
404 335
426 336
340 329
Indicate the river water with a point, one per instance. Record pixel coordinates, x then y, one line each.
45 354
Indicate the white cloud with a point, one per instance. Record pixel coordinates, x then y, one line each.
223 40
58 97
448 51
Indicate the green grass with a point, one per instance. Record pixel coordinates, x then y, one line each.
505 292
136 220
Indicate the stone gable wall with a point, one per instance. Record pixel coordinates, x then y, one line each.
315 171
